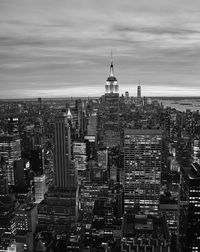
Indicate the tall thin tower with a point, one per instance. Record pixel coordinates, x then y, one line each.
64 177
139 91
111 83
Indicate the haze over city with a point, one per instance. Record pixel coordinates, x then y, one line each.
62 48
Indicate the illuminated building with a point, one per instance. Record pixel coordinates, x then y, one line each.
12 125
7 215
3 177
109 129
79 153
194 208
26 217
102 157
7 243
196 151
10 149
169 207
142 169
40 188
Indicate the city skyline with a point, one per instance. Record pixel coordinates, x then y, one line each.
51 49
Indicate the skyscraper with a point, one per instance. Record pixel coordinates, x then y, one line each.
194 207
64 177
10 149
109 129
60 203
142 169
139 91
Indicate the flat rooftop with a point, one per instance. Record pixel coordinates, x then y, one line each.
145 226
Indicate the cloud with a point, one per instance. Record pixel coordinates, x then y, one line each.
47 46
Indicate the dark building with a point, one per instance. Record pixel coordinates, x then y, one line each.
59 208
64 173
144 233
81 119
37 161
21 175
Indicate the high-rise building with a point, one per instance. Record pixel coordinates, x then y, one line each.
92 124
59 208
142 169
139 91
10 149
64 174
26 217
3 177
79 154
194 208
38 133
81 119
37 161
40 188
109 129
20 175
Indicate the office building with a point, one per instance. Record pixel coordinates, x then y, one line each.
37 161
10 149
142 169
91 147
40 188
92 124
109 128
79 153
21 170
3 177
139 92
64 173
193 174
58 210
26 217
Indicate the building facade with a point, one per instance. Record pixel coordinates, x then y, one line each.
142 169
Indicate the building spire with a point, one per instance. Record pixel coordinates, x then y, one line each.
111 65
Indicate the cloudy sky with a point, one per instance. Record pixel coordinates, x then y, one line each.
62 47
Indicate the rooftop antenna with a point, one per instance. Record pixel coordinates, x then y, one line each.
111 56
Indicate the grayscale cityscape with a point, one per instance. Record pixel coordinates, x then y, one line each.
99 126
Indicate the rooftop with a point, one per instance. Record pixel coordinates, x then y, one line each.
144 226
142 132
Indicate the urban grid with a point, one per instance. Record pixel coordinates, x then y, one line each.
115 173
99 126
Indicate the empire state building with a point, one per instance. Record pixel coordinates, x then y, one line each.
109 132
111 85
